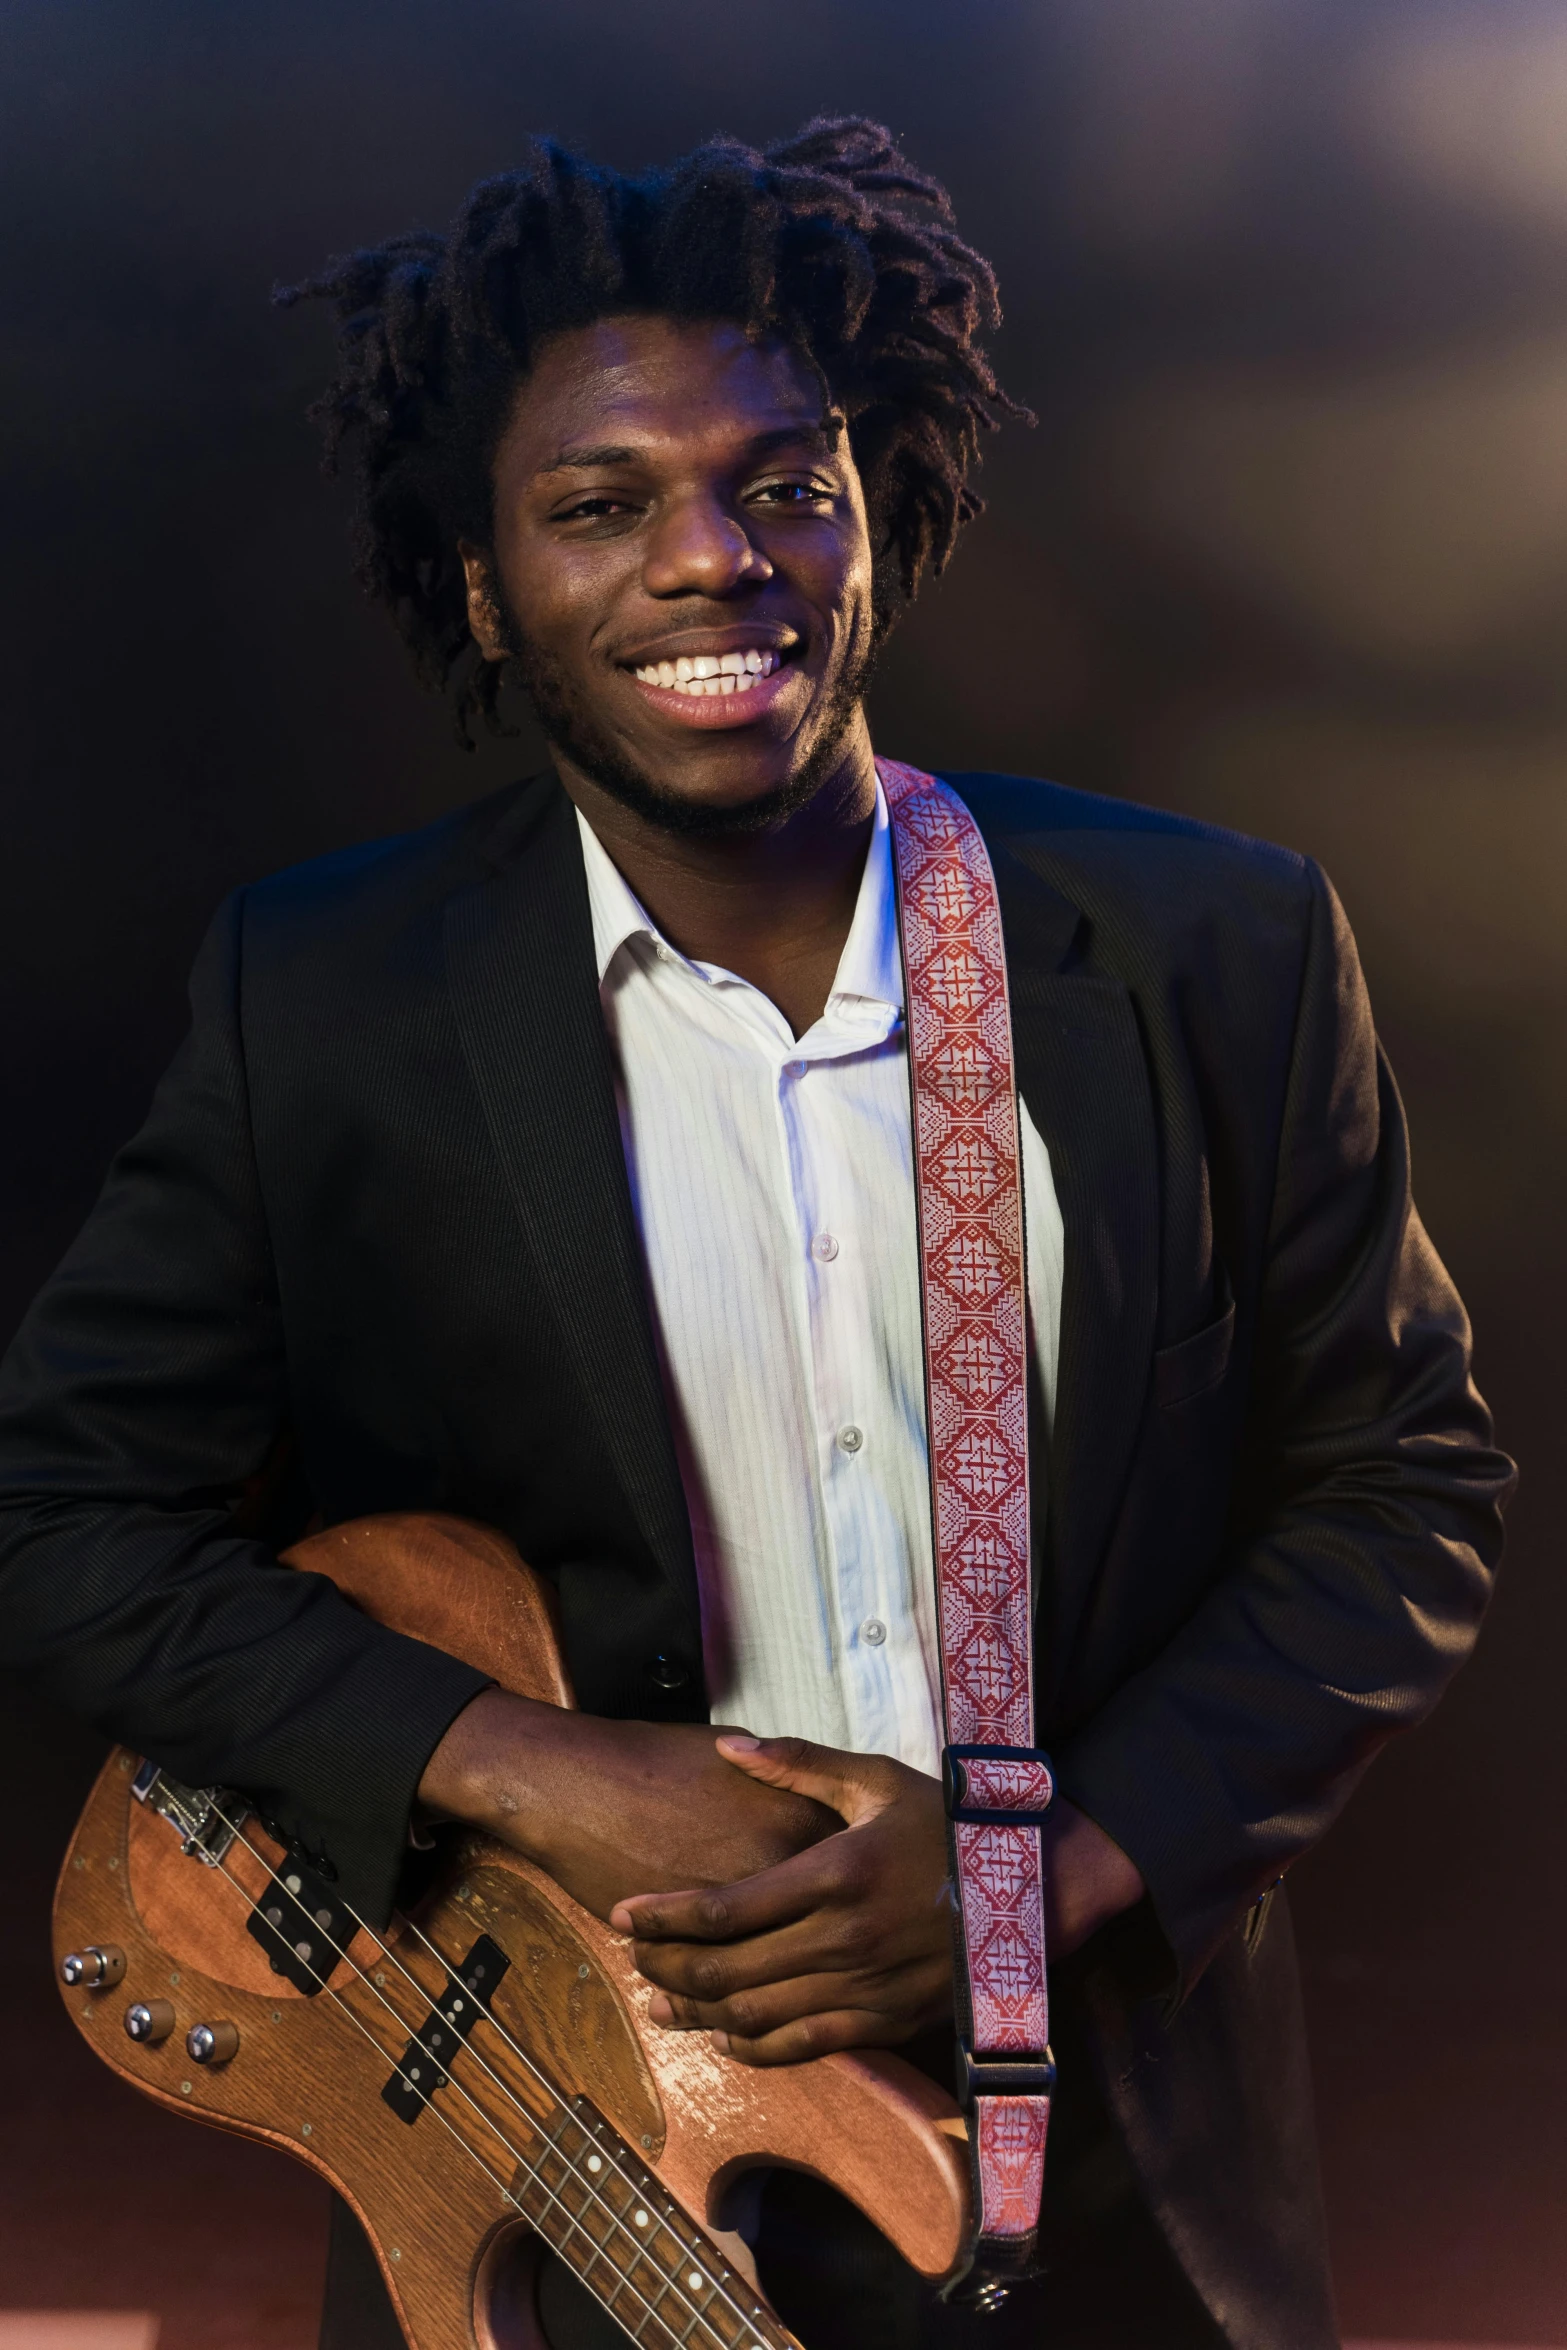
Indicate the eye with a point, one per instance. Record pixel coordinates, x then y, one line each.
792 493
593 509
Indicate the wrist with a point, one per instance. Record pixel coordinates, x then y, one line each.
1089 1879
484 1771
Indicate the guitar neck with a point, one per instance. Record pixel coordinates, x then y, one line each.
638 2253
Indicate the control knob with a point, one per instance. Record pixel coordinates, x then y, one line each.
149 2020
212 2043
97 1968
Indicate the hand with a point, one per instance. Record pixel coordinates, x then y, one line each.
1088 1878
848 1944
610 1808
845 1945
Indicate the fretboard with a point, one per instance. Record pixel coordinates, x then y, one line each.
656 2272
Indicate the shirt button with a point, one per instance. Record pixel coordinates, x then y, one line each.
825 1247
796 1068
664 954
851 1438
873 1631
669 1673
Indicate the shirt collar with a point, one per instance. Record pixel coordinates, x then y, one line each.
871 965
618 914
870 969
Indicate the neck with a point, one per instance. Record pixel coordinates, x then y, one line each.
775 906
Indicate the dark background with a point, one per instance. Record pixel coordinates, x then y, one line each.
1286 282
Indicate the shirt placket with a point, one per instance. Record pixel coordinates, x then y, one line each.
847 1413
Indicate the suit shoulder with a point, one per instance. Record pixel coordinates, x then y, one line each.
1104 842
394 877
1024 804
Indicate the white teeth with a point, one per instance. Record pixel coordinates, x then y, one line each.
702 673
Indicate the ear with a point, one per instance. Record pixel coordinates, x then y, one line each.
484 617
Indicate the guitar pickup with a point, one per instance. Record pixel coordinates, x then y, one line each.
423 2067
301 1925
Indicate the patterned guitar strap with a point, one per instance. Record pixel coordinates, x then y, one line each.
968 1184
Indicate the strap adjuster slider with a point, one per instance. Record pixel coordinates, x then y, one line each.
1003 2076
997 1786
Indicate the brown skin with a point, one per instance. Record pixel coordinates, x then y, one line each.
606 1806
666 488
710 522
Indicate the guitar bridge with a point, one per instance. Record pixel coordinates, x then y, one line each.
207 1819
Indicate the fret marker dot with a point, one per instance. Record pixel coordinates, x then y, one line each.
595 2162
694 2280
641 2218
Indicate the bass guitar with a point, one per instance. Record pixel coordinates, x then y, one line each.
480 2080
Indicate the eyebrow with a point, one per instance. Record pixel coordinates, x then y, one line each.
823 432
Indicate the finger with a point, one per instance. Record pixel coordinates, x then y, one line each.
827 1941
754 1905
850 1784
813 2035
751 2014
627 1917
910 1996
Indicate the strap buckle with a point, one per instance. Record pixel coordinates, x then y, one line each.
998 1786
1003 2076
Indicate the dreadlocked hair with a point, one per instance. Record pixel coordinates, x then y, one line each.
830 241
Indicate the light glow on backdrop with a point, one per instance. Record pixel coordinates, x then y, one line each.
1286 281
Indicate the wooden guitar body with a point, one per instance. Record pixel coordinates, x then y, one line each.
482 2077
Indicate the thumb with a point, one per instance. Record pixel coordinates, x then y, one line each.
827 1774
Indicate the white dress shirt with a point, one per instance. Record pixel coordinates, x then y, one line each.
773 1183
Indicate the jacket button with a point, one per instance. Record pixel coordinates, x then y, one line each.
669 1673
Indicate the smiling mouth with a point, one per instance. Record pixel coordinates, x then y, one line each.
704 675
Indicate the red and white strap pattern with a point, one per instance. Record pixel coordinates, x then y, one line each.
969 1186
996 1784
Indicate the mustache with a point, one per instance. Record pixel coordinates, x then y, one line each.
570 726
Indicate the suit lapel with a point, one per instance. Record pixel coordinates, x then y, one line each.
1083 1073
520 964
521 969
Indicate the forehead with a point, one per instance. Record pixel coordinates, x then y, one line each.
655 383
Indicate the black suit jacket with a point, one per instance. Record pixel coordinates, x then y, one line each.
380 1204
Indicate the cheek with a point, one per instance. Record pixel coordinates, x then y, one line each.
839 578
551 598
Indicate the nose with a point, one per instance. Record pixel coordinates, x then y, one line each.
700 547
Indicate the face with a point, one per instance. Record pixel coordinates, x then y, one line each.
681 569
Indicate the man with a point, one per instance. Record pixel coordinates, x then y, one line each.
554 1166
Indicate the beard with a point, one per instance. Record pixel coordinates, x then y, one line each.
571 727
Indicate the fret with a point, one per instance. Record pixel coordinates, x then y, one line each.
617 2230
641 2256
615 2268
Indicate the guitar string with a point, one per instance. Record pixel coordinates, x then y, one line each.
750 2322
572 2220
747 2319
535 2177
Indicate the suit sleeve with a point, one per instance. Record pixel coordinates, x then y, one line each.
1366 1527
147 1385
